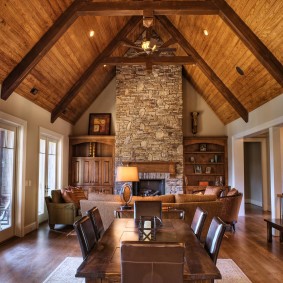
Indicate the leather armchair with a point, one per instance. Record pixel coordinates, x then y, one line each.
230 209
60 212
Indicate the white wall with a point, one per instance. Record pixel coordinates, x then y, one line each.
105 103
35 118
208 123
262 119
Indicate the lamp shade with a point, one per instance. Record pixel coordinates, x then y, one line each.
127 174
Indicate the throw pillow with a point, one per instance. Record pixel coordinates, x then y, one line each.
213 191
232 192
73 195
56 196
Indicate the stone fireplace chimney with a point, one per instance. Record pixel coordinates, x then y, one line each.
149 119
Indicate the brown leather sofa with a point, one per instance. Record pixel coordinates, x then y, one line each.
230 209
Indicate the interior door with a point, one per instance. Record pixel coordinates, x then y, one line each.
7 183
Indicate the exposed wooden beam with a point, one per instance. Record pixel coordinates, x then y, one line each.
91 69
154 60
131 8
18 74
261 52
227 94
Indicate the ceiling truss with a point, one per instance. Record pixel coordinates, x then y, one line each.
140 8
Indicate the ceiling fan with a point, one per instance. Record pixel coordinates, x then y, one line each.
148 46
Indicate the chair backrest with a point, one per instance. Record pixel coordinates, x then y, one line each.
152 262
86 235
95 217
198 221
214 237
147 208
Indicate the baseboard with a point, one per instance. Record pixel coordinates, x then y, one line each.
31 227
254 202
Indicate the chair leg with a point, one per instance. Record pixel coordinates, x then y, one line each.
52 226
233 227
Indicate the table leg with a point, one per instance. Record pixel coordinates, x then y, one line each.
281 236
269 233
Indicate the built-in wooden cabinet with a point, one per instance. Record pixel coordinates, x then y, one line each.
205 161
91 163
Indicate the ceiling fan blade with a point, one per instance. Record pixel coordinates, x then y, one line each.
137 54
167 49
132 46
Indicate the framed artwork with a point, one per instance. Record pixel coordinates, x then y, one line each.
203 183
208 170
99 124
198 169
202 147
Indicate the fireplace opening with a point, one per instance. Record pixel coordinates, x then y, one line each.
149 187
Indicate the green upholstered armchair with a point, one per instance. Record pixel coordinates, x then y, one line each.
60 212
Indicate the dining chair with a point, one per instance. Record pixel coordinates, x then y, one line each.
147 208
152 262
86 235
198 221
95 217
214 238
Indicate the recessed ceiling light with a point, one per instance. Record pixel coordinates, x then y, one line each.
34 91
104 66
205 31
91 33
240 71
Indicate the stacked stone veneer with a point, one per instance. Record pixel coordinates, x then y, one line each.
149 118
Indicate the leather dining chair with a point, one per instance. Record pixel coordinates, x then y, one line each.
95 217
86 235
214 238
198 221
144 262
147 208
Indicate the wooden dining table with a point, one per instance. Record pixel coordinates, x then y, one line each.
103 263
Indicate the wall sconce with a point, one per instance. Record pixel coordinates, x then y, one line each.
194 116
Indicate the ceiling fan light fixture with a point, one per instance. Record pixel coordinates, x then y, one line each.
147 47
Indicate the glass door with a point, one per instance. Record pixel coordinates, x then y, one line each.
48 149
7 177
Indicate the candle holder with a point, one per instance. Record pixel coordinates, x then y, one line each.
147 228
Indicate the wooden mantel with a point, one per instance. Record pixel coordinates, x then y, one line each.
154 166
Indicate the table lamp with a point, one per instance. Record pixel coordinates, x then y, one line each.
127 174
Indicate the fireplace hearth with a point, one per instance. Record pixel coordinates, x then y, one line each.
149 187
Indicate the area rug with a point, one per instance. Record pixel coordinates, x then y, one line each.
65 272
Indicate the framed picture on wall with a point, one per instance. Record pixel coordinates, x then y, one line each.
99 124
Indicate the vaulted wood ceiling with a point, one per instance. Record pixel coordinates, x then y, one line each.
46 45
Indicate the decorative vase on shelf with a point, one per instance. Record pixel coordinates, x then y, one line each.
215 158
217 182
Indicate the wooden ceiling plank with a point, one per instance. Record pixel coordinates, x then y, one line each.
91 69
155 60
132 8
233 101
261 52
40 49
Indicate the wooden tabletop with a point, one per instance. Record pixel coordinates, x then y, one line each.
104 261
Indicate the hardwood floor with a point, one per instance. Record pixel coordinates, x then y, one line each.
32 258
